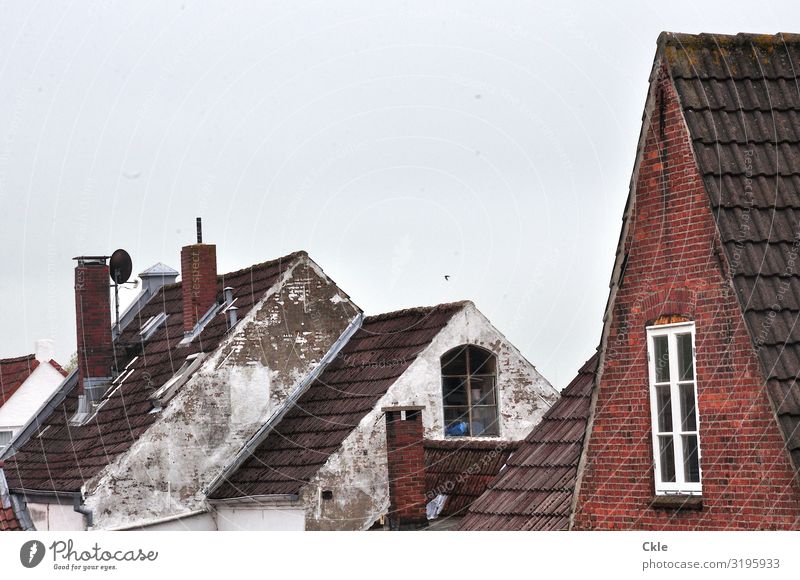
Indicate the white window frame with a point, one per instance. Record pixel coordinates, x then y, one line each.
10 433
680 486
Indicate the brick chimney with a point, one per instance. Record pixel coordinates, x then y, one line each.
93 322
199 279
405 454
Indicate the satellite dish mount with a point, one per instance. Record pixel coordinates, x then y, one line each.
120 268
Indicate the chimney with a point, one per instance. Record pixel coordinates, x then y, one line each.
93 322
44 350
406 459
199 279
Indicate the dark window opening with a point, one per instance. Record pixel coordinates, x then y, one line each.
469 392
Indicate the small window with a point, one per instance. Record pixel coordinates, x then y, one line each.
469 392
673 403
5 439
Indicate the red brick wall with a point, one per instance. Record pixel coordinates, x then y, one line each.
93 320
673 268
199 282
406 460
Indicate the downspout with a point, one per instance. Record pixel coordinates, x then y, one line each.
77 505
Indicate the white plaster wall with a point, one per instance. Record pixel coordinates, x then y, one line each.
261 518
225 401
357 472
49 517
30 396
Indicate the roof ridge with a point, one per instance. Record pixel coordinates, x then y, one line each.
718 39
17 359
418 310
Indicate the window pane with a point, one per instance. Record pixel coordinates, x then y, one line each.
661 358
691 463
484 421
481 362
455 362
685 362
667 459
688 411
664 408
455 391
456 421
482 390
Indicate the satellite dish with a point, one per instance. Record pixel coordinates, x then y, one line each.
120 266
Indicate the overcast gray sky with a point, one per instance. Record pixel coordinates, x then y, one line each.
396 142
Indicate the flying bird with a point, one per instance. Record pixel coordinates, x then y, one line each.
447 276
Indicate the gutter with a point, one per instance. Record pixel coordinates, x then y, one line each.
157 521
259 436
77 505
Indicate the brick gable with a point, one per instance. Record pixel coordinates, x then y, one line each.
674 265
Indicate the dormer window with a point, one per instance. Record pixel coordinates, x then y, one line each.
469 392
673 407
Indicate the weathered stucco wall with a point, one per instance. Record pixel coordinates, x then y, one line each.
236 389
357 473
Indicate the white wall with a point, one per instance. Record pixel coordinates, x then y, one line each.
48 516
230 518
357 472
30 396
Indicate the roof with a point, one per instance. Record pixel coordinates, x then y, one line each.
14 372
741 100
534 491
334 404
462 469
60 457
8 519
159 269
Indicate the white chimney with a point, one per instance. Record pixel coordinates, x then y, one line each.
45 350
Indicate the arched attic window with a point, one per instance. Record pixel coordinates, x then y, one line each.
469 392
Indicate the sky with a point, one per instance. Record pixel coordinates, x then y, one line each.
396 142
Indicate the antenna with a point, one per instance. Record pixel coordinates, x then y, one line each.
120 268
199 230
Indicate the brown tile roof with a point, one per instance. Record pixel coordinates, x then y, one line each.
8 519
14 372
741 99
534 491
61 457
462 470
333 405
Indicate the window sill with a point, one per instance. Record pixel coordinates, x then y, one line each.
677 502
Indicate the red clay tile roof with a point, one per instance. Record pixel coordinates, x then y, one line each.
333 405
741 100
8 520
14 372
462 470
62 457
534 491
